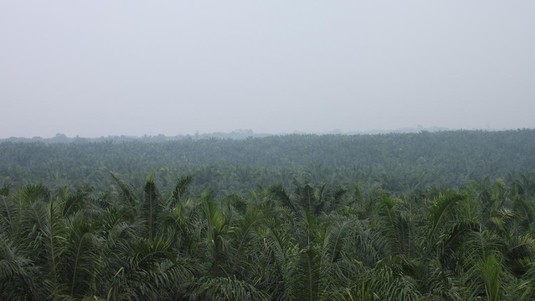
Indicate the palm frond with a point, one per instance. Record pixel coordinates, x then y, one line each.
389 283
81 260
18 274
127 190
180 190
224 289
151 206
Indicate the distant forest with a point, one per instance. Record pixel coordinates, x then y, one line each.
396 162
421 216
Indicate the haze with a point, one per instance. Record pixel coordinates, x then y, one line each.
94 68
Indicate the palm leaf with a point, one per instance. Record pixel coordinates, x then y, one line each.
18 274
127 191
81 261
180 190
151 206
224 289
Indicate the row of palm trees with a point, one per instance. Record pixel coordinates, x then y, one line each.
312 243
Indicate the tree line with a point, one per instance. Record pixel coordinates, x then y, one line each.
399 162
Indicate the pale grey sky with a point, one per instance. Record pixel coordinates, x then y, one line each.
94 68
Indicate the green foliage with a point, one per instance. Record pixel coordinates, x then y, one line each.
223 289
309 236
399 162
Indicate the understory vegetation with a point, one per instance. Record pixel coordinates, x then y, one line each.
418 224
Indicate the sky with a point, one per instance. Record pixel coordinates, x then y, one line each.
131 67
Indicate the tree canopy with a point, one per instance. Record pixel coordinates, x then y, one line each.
388 217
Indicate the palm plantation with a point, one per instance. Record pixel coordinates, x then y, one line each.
307 243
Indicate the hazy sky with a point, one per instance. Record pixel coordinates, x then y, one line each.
94 68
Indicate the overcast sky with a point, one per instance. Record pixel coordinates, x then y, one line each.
94 68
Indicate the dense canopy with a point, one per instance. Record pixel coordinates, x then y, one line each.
428 216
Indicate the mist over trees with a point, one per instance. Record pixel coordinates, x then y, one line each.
398 162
